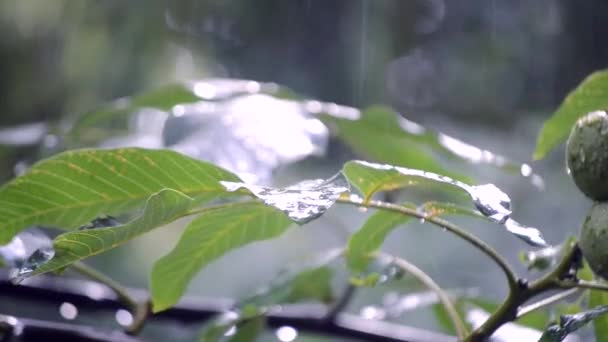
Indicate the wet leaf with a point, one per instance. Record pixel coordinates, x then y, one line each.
302 202
570 323
389 145
589 96
492 202
399 141
162 208
600 324
370 237
73 188
433 209
208 237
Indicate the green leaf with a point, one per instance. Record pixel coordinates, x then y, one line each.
590 95
370 178
247 321
162 208
433 209
208 237
377 135
73 188
370 238
600 324
112 119
314 284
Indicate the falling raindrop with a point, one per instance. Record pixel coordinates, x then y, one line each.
68 311
286 334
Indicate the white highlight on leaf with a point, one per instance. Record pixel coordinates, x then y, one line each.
302 202
490 200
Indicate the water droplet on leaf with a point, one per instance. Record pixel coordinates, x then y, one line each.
302 202
39 257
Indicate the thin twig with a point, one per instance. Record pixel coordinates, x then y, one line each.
546 302
342 302
140 311
470 238
582 284
427 281
121 292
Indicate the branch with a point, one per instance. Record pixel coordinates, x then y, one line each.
308 318
454 229
26 329
425 279
140 311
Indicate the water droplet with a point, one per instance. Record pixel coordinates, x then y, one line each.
101 222
39 257
68 311
302 202
124 317
529 234
372 312
491 201
286 334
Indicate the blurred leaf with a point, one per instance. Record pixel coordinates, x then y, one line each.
72 188
162 208
567 308
541 259
368 280
370 237
570 323
590 95
312 284
111 117
208 237
249 330
600 324
377 135
302 202
241 326
585 272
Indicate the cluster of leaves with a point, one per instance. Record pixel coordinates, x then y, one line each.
72 189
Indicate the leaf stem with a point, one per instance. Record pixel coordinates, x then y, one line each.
140 311
425 279
470 238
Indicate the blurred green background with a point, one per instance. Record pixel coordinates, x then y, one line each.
488 72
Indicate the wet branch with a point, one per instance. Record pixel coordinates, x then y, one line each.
454 229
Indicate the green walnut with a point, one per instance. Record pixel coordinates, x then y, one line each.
593 239
587 155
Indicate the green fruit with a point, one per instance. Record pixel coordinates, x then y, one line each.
593 239
587 155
